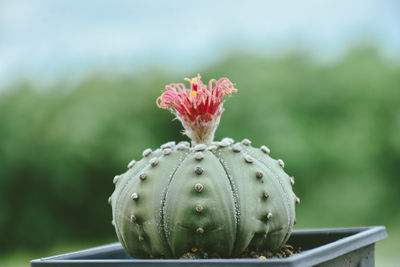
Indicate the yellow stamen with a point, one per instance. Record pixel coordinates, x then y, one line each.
193 93
194 80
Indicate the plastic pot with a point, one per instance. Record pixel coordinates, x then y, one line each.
321 247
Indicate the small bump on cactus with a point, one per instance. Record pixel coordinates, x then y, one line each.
198 170
199 208
199 156
116 178
143 176
147 152
221 197
131 164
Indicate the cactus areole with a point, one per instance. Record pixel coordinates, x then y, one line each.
222 197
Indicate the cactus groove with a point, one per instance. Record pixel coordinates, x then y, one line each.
222 198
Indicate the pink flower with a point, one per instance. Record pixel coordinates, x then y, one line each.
198 101
199 108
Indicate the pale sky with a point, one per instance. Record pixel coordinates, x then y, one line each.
44 39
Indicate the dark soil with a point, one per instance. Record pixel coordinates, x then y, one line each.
284 252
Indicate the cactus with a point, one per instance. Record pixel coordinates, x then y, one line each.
221 197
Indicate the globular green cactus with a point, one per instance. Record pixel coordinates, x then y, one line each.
221 197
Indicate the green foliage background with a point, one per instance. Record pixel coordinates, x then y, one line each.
336 126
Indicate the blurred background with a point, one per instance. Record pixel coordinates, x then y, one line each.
319 83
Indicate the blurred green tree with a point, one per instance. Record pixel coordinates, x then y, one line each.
336 126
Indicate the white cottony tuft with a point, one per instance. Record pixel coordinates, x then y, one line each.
265 149
147 152
246 142
168 145
131 164
200 147
281 163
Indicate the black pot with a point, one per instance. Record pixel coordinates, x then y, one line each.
322 247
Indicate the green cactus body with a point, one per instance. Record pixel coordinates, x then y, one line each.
221 197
